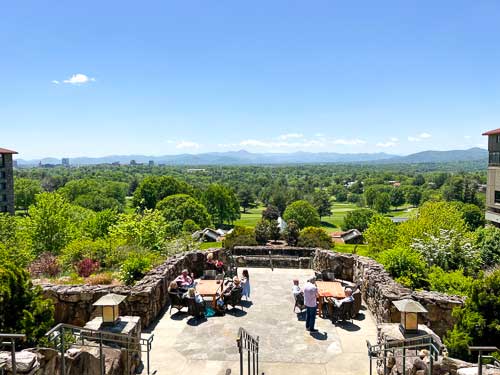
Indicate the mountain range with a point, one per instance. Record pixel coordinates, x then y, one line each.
243 157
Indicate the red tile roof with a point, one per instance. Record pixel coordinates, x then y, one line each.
492 132
5 151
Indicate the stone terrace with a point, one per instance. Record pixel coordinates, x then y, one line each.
183 347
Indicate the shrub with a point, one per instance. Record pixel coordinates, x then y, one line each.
104 278
189 226
292 233
381 234
303 213
46 264
23 308
80 249
87 267
271 213
315 237
406 265
478 321
134 269
488 241
240 236
452 282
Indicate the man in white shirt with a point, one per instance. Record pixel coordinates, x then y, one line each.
310 300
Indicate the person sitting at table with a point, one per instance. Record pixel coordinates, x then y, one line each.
230 288
245 282
348 298
198 299
184 281
174 289
215 264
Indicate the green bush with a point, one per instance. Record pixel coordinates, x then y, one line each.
23 308
292 233
478 321
189 226
406 265
240 236
80 249
358 219
262 231
488 241
381 234
452 282
315 237
134 268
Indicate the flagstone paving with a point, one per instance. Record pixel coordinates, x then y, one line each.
184 346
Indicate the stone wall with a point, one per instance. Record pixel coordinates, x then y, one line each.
146 299
273 256
380 290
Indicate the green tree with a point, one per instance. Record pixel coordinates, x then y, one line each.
262 231
488 242
246 198
358 219
15 240
419 180
153 189
315 237
397 197
407 266
414 196
25 190
303 213
381 234
51 223
181 207
221 203
23 308
478 321
322 203
292 233
473 216
271 213
382 203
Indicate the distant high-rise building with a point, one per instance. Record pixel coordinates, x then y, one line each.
6 181
65 162
493 184
151 163
133 162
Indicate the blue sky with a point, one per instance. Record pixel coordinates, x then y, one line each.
164 77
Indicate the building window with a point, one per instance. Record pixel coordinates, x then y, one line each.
3 208
3 186
494 158
497 197
3 198
1 161
497 139
2 175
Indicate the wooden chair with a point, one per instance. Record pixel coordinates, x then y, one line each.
209 275
345 311
356 305
176 301
299 302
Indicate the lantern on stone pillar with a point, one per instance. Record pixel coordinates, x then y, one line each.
409 314
110 311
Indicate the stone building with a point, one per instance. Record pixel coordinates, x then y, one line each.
6 181
493 184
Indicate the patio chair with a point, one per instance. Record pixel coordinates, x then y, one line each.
176 301
328 275
234 299
195 309
356 306
219 276
209 275
299 302
345 311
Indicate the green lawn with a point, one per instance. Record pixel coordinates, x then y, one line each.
250 218
333 222
208 245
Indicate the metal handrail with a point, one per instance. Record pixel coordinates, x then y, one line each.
480 357
130 344
414 343
12 337
247 342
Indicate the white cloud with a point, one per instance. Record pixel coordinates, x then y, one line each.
420 137
414 139
386 144
182 145
55 82
394 139
284 137
319 135
79 79
424 136
348 142
467 137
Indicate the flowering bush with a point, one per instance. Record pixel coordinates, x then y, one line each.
87 267
46 264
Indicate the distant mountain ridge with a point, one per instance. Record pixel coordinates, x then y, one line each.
243 157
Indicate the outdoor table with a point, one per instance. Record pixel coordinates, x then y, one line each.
209 288
328 289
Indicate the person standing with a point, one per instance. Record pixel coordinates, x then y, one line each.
310 300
